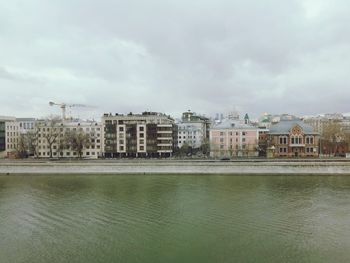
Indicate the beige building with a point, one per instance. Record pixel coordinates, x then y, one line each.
12 133
52 139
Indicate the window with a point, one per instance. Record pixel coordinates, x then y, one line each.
121 129
142 135
121 148
283 140
221 146
243 139
221 139
142 148
142 141
244 133
141 128
221 134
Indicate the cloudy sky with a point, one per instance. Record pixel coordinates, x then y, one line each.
173 55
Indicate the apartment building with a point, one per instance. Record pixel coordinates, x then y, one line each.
11 136
193 130
233 138
68 139
150 134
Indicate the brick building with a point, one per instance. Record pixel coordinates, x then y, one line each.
293 138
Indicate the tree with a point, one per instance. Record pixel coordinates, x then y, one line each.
331 137
205 146
76 141
185 149
32 138
50 131
21 147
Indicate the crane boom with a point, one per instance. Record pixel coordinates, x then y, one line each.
64 106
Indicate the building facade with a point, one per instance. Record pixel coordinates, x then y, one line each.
149 134
193 130
293 138
12 135
65 139
233 138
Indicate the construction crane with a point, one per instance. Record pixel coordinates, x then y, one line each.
64 106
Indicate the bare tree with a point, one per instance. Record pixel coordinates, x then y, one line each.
32 138
331 137
77 141
21 147
50 131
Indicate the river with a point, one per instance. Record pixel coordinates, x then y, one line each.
187 218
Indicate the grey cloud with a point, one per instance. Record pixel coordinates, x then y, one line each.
173 55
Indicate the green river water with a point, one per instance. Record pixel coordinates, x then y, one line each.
185 218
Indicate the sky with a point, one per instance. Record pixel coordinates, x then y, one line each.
209 56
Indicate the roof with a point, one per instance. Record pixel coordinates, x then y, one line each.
284 127
233 124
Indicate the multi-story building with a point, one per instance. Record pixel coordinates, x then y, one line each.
68 139
6 125
193 130
293 138
233 138
26 124
11 136
149 134
2 136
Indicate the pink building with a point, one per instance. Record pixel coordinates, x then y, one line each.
233 138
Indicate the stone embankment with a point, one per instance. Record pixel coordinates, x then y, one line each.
149 167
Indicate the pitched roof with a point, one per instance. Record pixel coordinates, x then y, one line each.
284 127
233 124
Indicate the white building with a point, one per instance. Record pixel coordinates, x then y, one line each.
11 135
193 130
56 133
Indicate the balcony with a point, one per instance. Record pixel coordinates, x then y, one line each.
296 145
162 139
165 144
165 125
165 132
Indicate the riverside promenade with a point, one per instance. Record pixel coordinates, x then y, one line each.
176 167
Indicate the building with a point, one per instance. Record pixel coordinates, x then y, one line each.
149 134
334 132
26 124
293 138
5 123
193 130
233 138
68 139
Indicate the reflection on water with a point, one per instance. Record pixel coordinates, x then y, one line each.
174 219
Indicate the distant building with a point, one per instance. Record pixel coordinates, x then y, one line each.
193 130
233 138
293 138
149 134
